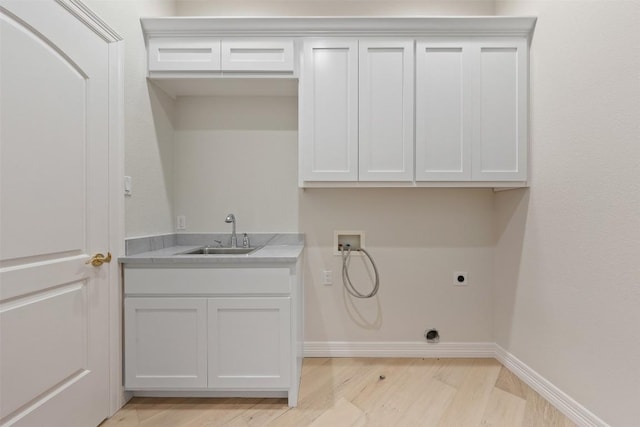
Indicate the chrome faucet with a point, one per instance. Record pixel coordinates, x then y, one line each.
231 218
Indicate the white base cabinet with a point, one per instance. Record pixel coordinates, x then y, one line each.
249 342
166 342
227 331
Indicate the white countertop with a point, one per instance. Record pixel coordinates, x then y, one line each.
175 255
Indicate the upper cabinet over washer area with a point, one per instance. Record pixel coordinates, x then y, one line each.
193 56
409 102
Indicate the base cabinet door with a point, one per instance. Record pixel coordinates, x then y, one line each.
249 343
165 343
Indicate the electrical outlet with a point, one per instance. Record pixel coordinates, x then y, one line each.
327 277
460 278
181 222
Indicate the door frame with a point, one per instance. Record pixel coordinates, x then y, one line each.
117 396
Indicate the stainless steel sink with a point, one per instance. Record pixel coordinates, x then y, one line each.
220 251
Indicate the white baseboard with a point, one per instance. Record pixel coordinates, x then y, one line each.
563 402
397 349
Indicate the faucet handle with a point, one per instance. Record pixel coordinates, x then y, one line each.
245 241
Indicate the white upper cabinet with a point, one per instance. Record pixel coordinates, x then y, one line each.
356 110
500 89
241 55
328 115
386 110
443 106
197 54
471 110
414 101
188 54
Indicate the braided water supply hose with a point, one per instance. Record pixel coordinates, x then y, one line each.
346 280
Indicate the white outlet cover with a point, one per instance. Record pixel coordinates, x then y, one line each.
181 222
327 277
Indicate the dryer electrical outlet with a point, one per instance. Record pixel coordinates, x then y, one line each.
460 278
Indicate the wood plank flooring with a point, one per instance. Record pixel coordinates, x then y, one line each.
367 392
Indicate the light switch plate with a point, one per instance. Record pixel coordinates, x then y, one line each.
127 186
181 222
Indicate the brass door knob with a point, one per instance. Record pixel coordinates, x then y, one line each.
98 259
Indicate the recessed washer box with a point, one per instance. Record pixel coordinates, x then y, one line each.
353 238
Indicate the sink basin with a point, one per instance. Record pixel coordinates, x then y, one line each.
220 251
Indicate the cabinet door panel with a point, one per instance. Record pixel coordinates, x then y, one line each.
166 343
249 342
443 104
500 115
386 110
329 111
257 55
192 54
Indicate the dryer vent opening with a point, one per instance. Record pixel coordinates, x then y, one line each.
432 335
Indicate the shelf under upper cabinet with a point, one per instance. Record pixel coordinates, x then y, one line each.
217 86
496 185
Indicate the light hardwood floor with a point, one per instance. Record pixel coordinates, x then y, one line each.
367 392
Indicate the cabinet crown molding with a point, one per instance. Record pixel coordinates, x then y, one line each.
309 26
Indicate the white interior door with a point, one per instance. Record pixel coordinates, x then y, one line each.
54 130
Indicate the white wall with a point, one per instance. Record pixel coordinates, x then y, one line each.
565 286
148 137
239 155
568 254
418 237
